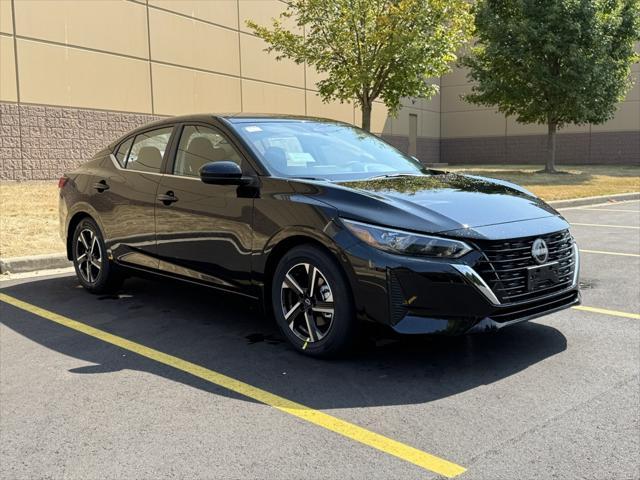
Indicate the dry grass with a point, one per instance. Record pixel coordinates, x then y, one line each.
576 181
29 219
29 211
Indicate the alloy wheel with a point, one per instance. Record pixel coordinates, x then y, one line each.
89 255
307 302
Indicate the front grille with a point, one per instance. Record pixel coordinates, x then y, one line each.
505 263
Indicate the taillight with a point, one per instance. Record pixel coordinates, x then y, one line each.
63 181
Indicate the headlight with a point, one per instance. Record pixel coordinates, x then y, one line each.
406 243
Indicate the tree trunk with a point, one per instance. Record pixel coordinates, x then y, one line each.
366 116
551 148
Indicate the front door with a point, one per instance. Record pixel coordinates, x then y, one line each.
204 232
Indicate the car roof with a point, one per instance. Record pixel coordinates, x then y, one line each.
240 117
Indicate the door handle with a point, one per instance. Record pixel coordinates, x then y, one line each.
168 198
101 186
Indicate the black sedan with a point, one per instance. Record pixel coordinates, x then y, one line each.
324 224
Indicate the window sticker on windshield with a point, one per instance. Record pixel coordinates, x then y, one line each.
253 128
299 159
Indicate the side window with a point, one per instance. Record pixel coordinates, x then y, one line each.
148 149
199 145
123 150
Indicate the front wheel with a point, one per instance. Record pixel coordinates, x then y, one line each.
93 269
312 302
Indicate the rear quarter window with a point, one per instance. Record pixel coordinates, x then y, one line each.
123 151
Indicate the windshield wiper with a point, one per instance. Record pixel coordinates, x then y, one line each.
311 178
395 175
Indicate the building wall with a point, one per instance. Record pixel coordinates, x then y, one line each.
475 134
75 74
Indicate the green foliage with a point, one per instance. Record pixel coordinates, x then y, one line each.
371 49
553 62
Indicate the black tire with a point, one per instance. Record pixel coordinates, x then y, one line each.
94 270
332 334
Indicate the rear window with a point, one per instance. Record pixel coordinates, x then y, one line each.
148 150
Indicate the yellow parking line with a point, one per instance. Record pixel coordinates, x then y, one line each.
609 210
615 313
342 427
610 253
608 226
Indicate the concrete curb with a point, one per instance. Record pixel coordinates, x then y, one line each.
33 263
59 260
580 202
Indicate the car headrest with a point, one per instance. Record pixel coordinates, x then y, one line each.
202 148
150 157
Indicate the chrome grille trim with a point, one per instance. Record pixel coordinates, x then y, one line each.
505 263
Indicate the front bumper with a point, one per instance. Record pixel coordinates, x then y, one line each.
429 296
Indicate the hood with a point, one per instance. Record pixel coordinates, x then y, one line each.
436 203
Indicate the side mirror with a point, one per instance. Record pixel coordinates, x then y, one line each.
223 173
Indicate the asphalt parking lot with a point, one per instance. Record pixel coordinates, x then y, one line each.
170 381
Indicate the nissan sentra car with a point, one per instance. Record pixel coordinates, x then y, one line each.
325 225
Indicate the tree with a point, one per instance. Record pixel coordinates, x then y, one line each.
553 62
372 49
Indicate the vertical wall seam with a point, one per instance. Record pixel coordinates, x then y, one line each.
15 48
153 109
240 56
304 73
15 59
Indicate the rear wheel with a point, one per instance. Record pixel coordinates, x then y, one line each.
312 302
93 269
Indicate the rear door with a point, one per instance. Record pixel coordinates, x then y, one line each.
127 199
204 232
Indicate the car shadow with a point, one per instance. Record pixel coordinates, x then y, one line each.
226 334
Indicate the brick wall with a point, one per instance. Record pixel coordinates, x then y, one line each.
571 148
42 142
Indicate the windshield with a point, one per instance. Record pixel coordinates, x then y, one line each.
323 150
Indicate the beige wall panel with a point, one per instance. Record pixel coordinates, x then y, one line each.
432 104
430 125
190 43
627 119
8 89
335 110
260 65
411 102
222 12
453 102
52 74
634 94
515 128
178 91
261 97
262 12
472 124
119 27
313 77
6 17
457 76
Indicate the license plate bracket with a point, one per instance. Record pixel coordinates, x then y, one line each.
540 274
